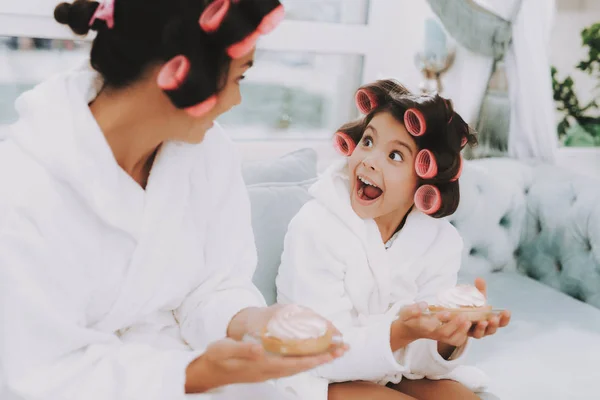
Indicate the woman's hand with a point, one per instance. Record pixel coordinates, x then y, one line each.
489 327
228 362
412 324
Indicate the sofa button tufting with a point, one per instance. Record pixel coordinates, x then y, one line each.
573 200
473 251
559 266
526 191
517 252
588 245
539 226
505 221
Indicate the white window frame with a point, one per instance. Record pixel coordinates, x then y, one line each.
33 18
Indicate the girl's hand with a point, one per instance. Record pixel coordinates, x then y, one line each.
412 324
228 362
489 327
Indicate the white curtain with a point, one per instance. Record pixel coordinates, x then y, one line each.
533 119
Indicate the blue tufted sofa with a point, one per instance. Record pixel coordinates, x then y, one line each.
519 221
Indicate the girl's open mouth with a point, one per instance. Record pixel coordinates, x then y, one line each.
367 191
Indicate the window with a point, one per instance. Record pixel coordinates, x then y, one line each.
24 62
302 87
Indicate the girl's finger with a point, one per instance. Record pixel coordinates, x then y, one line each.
460 336
481 285
504 318
492 326
451 327
479 330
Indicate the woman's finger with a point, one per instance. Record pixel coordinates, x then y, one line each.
412 311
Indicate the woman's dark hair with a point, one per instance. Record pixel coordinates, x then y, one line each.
150 32
446 133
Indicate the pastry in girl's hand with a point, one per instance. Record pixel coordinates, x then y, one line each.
297 331
466 299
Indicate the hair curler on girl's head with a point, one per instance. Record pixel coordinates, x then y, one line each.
415 122
343 144
428 199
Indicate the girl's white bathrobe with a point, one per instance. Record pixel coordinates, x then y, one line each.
337 264
108 291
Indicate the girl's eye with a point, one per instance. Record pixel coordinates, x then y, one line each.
367 141
396 156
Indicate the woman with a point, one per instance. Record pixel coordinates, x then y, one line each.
372 246
125 240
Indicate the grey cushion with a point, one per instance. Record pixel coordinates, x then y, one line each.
273 207
277 189
297 166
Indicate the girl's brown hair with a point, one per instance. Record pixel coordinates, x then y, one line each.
444 134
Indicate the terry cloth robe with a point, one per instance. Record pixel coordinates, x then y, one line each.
337 264
108 291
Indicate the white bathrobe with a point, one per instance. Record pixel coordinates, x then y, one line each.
337 264
108 291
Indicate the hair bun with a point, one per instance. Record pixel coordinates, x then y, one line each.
61 13
77 15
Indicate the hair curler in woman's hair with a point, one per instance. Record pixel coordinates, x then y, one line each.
460 168
105 12
343 144
428 199
223 17
414 121
426 165
172 76
213 15
365 100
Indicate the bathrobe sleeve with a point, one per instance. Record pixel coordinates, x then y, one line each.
230 255
46 349
312 274
441 265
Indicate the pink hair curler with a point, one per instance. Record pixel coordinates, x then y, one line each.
463 142
343 144
414 121
173 73
365 101
428 199
171 77
447 102
425 164
240 49
271 20
213 15
105 12
460 168
201 109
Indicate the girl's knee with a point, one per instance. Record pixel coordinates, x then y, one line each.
426 389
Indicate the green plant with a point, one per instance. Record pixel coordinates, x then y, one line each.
577 119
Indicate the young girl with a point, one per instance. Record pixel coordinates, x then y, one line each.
371 249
